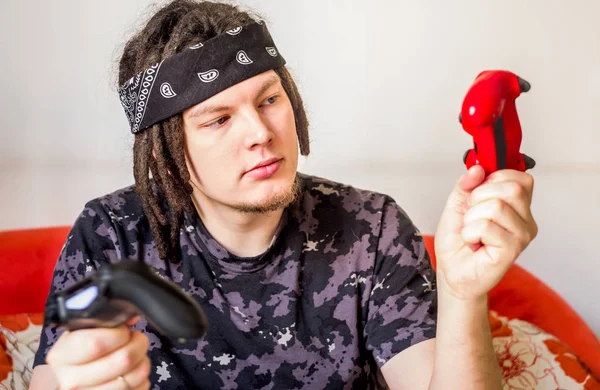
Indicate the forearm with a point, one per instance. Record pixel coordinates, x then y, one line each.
464 356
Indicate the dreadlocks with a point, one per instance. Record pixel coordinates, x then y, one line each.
158 152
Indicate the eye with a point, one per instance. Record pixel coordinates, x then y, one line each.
219 122
270 100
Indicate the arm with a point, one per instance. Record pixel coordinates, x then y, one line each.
461 357
485 226
464 356
402 311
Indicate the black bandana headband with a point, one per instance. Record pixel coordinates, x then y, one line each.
197 73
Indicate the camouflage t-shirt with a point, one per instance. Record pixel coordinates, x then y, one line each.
346 285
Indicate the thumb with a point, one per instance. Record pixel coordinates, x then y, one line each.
448 234
465 185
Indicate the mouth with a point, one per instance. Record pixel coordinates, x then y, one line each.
265 168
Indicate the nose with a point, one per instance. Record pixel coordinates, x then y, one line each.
257 132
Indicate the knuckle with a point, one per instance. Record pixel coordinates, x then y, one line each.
125 358
529 180
95 346
516 190
525 238
528 236
498 207
145 368
530 231
516 252
52 356
474 196
498 175
524 245
487 225
534 232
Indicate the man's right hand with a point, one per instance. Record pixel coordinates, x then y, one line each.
102 358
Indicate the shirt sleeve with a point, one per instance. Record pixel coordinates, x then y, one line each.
402 307
90 243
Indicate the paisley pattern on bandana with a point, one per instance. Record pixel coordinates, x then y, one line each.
197 73
346 285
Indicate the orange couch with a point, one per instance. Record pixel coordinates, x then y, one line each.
27 259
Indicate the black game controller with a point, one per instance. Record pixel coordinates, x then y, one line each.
120 291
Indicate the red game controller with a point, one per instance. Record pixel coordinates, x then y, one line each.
489 115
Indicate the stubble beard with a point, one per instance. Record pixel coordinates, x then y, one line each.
274 202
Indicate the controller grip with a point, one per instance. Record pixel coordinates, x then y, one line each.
120 291
167 308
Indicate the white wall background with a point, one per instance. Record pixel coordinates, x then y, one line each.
383 82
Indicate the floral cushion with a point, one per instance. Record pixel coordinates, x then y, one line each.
19 340
529 357
532 359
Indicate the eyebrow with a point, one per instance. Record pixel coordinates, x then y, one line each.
268 83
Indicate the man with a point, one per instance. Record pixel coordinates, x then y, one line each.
306 283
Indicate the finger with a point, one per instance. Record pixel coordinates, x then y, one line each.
84 345
498 252
133 321
486 232
511 192
525 179
136 378
498 211
105 369
122 386
144 386
501 246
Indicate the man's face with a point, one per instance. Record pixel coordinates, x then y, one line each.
242 147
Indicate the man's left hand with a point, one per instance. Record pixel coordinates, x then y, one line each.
486 224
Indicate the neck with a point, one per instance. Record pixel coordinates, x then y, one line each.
242 234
